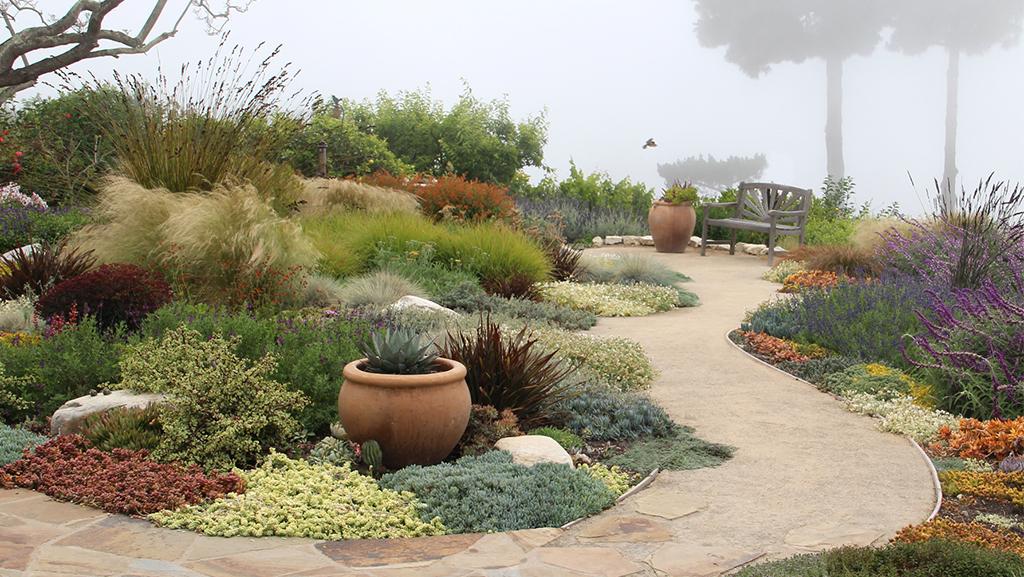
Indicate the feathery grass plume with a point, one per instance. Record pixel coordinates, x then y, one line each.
222 121
208 242
378 289
322 195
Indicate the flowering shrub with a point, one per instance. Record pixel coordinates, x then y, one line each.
809 279
293 498
606 300
901 415
11 193
113 294
19 339
616 362
776 350
613 477
874 379
782 270
121 481
976 533
989 440
975 351
206 421
991 485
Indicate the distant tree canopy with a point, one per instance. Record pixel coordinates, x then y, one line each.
758 34
412 132
713 175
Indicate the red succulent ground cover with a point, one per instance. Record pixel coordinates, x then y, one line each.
120 481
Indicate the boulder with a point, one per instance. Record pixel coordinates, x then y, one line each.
532 449
613 240
68 418
756 249
415 302
631 240
647 240
28 249
598 241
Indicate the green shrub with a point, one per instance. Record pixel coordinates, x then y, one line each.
310 352
598 413
331 451
494 252
486 426
616 300
378 289
567 439
292 498
224 411
874 379
490 493
933 558
418 262
124 428
679 452
783 269
350 150
806 565
13 441
509 371
61 367
617 362
348 242
617 480
532 312
816 371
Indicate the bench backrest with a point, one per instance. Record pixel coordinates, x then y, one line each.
755 199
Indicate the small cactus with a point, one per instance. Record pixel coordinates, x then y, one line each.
372 455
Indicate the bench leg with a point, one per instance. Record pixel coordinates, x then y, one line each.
704 236
771 246
732 243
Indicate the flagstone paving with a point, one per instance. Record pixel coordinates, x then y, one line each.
806 476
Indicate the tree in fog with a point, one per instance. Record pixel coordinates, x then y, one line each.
711 174
960 27
758 34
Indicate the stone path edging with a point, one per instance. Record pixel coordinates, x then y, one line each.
936 484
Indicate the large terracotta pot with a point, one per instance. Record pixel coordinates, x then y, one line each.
417 419
671 225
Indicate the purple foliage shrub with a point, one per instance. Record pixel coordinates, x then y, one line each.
974 352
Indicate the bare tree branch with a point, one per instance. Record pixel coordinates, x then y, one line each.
79 35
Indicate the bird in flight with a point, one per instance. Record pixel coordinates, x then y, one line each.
650 144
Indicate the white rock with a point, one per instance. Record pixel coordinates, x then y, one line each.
780 250
755 249
532 449
28 248
631 240
415 302
598 241
742 246
647 240
613 240
68 418
719 246
695 241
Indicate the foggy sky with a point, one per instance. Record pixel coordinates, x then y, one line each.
612 74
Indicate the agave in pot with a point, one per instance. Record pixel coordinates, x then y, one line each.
405 397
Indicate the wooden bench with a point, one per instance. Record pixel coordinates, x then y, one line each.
764 207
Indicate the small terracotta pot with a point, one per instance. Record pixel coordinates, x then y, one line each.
671 225
417 419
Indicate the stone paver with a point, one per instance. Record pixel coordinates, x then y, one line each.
807 475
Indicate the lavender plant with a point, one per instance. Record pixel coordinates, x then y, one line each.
974 352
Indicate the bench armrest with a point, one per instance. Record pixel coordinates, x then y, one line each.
719 204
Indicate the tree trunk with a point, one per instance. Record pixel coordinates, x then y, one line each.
834 119
949 173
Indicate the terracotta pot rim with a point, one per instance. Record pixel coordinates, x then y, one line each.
455 372
665 203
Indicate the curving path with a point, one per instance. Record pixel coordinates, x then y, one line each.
807 475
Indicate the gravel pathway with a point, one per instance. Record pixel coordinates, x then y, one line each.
807 475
